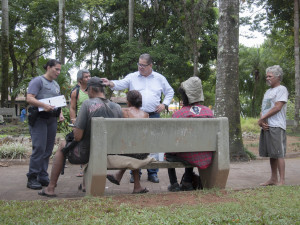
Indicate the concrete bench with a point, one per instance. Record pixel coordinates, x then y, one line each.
8 113
123 136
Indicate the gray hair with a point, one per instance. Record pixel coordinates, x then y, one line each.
276 71
146 57
80 73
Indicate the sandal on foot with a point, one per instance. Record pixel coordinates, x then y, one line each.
80 174
43 193
80 188
145 190
112 179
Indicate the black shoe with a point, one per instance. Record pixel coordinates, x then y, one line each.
34 184
44 183
153 179
174 187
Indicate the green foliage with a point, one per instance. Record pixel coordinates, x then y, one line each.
166 115
63 127
13 151
250 154
15 129
250 125
269 205
290 112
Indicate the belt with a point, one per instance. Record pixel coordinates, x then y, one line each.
46 115
152 113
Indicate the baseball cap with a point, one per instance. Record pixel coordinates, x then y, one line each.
95 82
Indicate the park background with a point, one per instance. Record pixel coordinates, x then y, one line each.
109 37
185 38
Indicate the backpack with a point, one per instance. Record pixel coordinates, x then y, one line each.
76 87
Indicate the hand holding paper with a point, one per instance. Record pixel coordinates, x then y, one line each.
58 101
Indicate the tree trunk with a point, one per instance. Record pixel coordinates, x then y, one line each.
297 66
196 59
227 83
130 19
62 30
91 38
5 53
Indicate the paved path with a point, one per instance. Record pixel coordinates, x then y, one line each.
241 175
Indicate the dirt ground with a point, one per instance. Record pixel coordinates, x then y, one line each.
251 142
168 198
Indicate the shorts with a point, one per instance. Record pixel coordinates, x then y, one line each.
272 143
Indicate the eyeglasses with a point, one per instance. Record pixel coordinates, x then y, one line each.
142 65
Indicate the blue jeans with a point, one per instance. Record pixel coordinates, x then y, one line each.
152 172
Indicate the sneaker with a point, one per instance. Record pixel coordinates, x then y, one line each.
153 179
132 179
34 184
44 183
174 187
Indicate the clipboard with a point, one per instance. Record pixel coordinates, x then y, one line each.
58 101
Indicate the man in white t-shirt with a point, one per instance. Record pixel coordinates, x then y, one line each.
272 120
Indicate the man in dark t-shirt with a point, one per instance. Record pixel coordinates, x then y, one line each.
95 106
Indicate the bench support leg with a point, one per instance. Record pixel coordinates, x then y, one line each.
217 173
95 177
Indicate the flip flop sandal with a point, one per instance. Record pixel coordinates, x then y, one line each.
43 193
145 190
79 174
112 179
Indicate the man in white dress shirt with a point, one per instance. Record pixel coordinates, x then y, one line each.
151 85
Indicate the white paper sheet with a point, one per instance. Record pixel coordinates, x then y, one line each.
58 101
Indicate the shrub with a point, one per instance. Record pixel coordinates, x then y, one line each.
290 112
13 151
250 125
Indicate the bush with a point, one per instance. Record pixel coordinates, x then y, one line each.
63 127
13 151
290 112
250 125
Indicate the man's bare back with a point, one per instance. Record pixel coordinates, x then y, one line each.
133 112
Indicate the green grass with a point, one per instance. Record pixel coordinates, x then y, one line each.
270 205
250 125
15 129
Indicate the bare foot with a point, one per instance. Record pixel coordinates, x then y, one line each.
281 183
47 193
268 183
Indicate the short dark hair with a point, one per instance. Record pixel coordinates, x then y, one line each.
184 97
135 98
146 57
51 63
97 89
